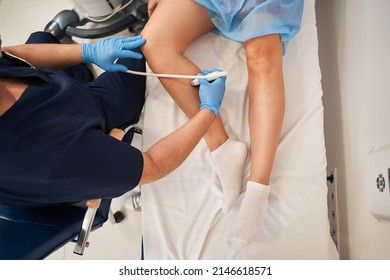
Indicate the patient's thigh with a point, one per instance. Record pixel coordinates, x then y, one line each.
175 24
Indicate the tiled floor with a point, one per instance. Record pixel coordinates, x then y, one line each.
18 18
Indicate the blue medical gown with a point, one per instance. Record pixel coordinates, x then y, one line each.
242 20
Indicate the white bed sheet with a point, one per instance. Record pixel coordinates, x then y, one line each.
181 213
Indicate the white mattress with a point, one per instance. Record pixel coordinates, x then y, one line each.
181 213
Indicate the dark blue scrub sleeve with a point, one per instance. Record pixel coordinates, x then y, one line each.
94 166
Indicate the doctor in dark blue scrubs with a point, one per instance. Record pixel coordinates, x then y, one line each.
55 122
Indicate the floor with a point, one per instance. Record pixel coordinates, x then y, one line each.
113 241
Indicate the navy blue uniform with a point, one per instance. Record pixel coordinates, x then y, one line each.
54 142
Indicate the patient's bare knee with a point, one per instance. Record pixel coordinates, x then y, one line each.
160 54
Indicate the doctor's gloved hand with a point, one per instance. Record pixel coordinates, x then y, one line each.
107 51
211 92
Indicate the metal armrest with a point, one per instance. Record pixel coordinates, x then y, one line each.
82 240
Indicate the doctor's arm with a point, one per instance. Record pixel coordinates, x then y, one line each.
59 56
169 152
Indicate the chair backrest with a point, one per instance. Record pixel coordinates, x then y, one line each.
35 232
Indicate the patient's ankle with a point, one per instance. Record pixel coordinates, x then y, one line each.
216 135
214 142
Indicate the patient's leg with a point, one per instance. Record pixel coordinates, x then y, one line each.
169 31
266 111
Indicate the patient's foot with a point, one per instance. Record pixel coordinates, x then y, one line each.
229 160
250 217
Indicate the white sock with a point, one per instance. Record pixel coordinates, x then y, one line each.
250 217
229 160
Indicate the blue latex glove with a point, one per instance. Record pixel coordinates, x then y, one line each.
211 92
107 51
